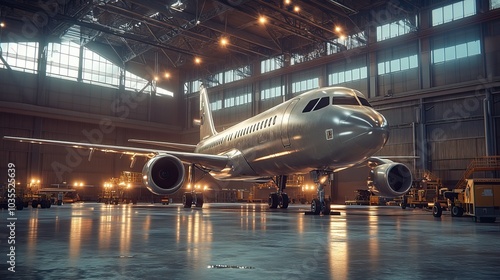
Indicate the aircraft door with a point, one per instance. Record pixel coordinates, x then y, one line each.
285 138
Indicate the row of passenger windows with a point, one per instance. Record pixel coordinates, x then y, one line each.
320 103
242 132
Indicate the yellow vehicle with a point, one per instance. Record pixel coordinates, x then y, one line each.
480 199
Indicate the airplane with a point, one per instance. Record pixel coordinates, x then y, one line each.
319 132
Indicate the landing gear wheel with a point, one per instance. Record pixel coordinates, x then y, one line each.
283 201
273 200
315 206
457 211
187 200
198 200
325 209
437 211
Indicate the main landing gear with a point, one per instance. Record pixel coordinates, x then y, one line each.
279 199
320 205
192 198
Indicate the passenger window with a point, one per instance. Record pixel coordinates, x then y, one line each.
345 100
323 102
274 121
310 105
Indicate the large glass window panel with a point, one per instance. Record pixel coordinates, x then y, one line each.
364 72
381 68
437 16
469 7
438 55
448 13
473 48
413 61
20 56
494 4
405 63
395 65
449 53
458 10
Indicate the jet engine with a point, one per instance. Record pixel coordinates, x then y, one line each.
390 179
163 174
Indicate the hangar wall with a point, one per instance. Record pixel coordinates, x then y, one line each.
73 111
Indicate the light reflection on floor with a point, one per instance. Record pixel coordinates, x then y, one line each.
248 241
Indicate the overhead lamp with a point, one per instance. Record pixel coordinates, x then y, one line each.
296 9
2 24
167 75
197 60
338 28
178 6
224 41
288 2
262 19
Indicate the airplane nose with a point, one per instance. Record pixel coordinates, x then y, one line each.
369 129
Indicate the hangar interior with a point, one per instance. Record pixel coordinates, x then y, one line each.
107 71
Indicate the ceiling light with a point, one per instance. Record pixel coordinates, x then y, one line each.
262 19
342 37
2 24
197 60
288 2
224 41
167 75
296 9
338 28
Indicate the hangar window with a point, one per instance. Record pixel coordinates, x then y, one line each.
307 84
348 76
397 28
494 4
63 60
216 105
453 12
20 56
271 64
98 70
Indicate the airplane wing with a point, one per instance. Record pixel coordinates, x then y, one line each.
213 162
182 147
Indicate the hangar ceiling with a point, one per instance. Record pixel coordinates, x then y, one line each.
171 33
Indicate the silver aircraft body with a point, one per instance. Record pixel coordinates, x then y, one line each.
318 132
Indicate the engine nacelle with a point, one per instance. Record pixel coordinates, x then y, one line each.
390 179
163 174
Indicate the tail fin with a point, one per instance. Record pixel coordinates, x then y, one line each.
207 127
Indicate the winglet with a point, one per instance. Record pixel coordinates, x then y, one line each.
207 127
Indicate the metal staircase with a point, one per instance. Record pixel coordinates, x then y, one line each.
491 163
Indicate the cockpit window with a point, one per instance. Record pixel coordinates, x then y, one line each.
345 100
323 102
364 102
310 105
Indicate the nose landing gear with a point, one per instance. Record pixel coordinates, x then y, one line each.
320 205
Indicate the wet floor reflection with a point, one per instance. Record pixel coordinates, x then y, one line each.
95 241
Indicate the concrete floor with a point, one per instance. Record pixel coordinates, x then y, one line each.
247 241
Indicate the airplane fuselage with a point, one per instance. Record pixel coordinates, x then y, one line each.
325 129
